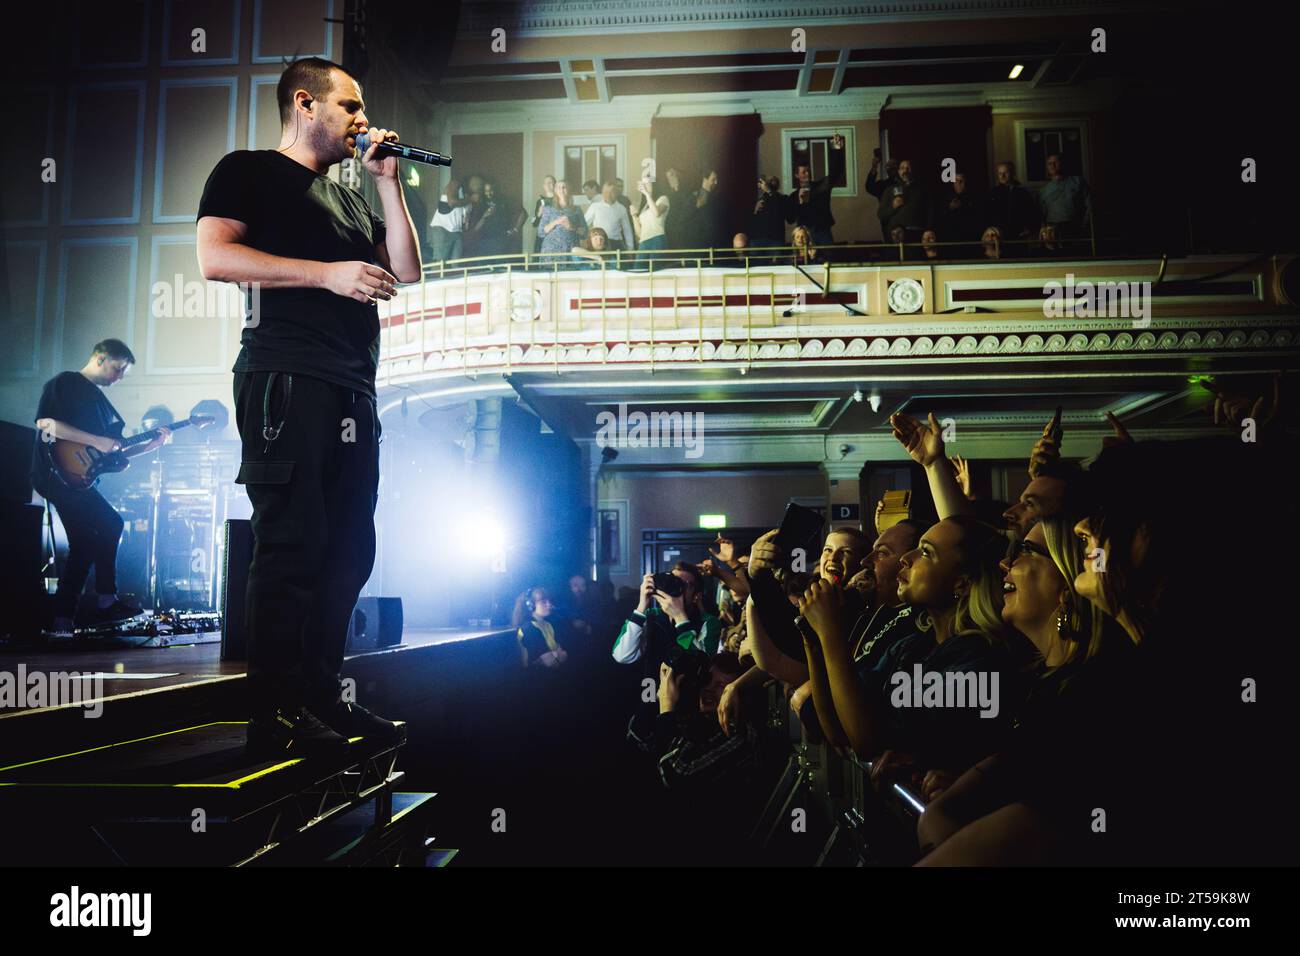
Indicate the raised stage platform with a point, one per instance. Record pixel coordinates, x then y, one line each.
122 777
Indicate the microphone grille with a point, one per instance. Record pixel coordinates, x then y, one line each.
363 142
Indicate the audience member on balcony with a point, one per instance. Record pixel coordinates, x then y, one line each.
534 632
1065 202
767 221
1049 244
500 225
1009 207
610 215
991 243
593 251
620 196
703 227
905 202
876 183
547 198
929 245
952 579
671 187
489 228
447 228
590 192
562 223
809 204
805 252
959 214
651 219
739 255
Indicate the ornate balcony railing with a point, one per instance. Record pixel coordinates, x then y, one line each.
724 309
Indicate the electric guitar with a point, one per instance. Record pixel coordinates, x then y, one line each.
79 466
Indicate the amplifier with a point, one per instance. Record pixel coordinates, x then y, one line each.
376 623
238 555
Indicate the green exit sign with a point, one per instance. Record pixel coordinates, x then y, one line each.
713 521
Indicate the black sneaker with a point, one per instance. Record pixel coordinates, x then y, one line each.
115 612
353 720
293 732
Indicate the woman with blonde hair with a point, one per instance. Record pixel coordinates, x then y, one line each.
805 252
991 242
953 582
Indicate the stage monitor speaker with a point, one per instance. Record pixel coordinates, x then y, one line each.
376 623
21 587
17 446
238 555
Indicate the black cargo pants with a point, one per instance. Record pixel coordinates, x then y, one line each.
311 468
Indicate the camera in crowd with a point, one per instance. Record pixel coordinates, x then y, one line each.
669 583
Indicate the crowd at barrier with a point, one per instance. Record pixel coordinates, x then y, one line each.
668 225
1051 680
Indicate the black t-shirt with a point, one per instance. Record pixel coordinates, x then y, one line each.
71 398
951 738
296 213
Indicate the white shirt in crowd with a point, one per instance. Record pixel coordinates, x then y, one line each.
653 216
453 221
613 218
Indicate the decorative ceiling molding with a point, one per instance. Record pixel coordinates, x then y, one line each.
553 18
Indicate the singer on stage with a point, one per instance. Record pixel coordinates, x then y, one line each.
304 385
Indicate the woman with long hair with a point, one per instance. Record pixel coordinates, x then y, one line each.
534 631
953 581
562 224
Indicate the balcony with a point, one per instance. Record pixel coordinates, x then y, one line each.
704 309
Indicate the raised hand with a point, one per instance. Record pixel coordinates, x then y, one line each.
725 550
962 467
647 593
1121 436
1231 409
1046 449
822 606
924 442
765 553
672 605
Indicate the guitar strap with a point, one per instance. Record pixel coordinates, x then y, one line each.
270 433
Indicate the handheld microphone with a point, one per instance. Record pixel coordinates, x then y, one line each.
413 153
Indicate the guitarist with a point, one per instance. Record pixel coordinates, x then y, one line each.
74 407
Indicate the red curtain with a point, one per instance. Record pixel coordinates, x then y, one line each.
726 143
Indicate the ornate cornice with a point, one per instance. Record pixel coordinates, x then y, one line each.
567 17
1167 340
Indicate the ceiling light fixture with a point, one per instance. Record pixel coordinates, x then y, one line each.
1017 70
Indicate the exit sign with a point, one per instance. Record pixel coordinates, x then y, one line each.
713 521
